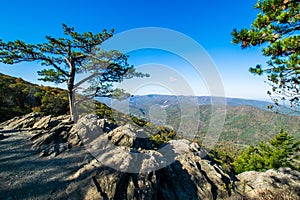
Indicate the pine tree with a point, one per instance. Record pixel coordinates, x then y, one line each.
276 29
280 151
68 56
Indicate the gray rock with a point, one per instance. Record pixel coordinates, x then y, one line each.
48 122
49 135
106 125
129 137
123 165
22 122
42 123
124 169
87 128
52 135
187 177
283 183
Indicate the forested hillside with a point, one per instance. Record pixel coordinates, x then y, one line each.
244 123
19 97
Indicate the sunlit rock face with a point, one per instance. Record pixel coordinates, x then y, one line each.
122 164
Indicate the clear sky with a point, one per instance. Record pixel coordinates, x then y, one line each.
207 22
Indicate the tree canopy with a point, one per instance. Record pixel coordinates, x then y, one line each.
75 53
18 97
276 29
280 151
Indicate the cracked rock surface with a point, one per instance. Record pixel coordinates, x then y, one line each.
51 158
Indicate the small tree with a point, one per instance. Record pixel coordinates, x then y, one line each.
66 57
276 27
281 151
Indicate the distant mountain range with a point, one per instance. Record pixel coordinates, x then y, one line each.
247 121
142 101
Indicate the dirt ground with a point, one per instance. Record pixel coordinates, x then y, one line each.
24 175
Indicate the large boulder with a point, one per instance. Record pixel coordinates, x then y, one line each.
49 122
129 137
53 135
88 128
50 135
187 176
283 183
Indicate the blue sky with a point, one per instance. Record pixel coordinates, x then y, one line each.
207 22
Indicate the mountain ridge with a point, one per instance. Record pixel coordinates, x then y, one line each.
208 100
245 123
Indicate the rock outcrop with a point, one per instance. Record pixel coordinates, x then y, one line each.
21 122
123 164
187 177
283 183
49 135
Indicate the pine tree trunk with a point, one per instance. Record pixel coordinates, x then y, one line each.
71 95
73 111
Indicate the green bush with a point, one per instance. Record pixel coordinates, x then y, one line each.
282 151
54 102
224 154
